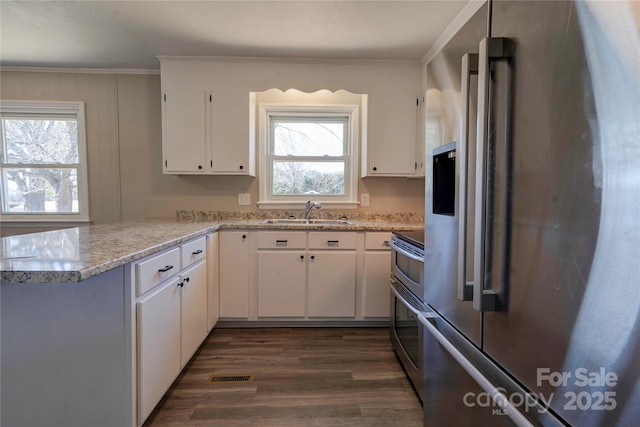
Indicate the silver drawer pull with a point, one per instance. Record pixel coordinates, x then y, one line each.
281 242
165 269
198 252
333 242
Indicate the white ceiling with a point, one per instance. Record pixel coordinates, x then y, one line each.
129 34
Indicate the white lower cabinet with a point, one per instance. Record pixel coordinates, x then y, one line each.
213 280
158 345
234 274
171 319
332 283
304 275
281 283
377 267
376 284
194 310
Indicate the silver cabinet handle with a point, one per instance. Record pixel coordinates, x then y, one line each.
469 69
493 176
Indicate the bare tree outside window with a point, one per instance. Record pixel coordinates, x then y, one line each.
40 165
308 156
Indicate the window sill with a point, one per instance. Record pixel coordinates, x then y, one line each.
300 205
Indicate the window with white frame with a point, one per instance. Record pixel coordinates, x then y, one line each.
43 161
309 152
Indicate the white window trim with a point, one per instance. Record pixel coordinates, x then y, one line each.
349 200
71 107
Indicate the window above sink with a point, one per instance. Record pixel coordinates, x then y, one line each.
308 145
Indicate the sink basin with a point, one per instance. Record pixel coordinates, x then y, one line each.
284 221
294 221
329 221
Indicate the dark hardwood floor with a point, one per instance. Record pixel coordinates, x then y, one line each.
301 377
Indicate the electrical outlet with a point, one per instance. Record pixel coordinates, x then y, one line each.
244 199
364 199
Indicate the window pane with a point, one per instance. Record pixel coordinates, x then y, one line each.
297 178
41 141
308 138
43 190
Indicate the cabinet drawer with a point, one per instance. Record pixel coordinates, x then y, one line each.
377 240
156 270
332 240
193 251
282 240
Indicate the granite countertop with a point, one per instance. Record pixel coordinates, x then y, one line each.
75 254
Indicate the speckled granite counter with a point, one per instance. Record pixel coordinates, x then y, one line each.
76 254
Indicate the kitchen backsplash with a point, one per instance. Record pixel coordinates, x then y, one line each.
203 216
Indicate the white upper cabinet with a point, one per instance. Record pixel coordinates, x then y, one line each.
391 149
201 130
186 121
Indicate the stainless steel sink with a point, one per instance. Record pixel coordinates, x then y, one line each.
329 222
296 221
284 221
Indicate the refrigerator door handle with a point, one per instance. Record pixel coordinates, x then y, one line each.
492 239
427 319
469 68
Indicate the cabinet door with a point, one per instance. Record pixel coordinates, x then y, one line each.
391 150
194 310
229 155
332 284
158 345
377 267
234 274
213 280
281 284
185 120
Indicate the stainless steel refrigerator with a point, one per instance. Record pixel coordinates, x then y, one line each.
532 217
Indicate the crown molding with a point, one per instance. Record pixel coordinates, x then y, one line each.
4 68
458 22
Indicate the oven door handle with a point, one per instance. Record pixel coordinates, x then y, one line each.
427 319
402 299
405 253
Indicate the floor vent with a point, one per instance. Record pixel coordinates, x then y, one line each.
230 379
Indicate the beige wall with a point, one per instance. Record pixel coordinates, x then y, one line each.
99 94
124 137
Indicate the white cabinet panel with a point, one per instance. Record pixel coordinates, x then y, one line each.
234 274
186 120
281 283
332 240
332 283
391 151
193 251
158 345
213 280
377 240
282 240
157 269
377 267
194 310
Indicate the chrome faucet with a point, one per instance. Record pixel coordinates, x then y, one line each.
307 208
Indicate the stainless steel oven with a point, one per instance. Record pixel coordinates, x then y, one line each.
406 302
407 262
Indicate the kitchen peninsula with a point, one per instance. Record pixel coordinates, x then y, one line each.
73 299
